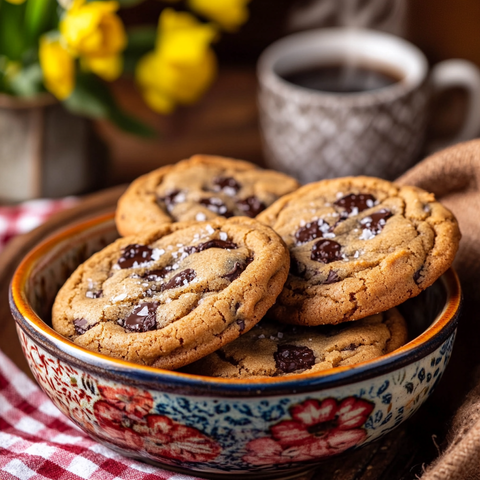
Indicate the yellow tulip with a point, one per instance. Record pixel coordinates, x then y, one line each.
229 14
182 66
58 67
93 29
182 38
108 68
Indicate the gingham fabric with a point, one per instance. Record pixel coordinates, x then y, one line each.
37 442
26 216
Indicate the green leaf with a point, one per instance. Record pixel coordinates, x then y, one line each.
129 124
141 39
88 98
92 98
28 82
12 38
39 18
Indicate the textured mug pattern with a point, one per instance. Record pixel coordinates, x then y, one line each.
236 435
313 137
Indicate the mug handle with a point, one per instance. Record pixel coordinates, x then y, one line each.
464 74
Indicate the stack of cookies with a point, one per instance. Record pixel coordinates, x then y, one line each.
225 269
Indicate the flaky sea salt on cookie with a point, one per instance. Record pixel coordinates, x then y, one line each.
173 295
272 349
200 188
358 246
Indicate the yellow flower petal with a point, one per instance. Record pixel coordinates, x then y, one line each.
16 2
108 68
58 67
93 29
230 14
182 84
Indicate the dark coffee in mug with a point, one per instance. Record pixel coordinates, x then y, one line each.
338 78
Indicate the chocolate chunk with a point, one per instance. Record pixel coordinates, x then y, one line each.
157 275
297 268
215 205
142 318
81 325
235 272
417 275
180 279
311 231
241 324
171 199
228 184
356 203
332 278
135 254
251 206
216 243
289 358
94 293
375 222
326 251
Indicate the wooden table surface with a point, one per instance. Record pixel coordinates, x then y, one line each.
398 456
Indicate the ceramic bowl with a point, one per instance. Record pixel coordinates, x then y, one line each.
221 428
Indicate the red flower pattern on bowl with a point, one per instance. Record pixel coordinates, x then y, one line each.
124 415
317 430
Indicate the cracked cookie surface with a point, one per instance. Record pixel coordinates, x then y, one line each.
271 349
358 246
175 294
200 188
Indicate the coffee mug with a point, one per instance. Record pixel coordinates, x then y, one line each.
337 102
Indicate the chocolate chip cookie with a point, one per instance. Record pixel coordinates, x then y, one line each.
175 294
358 245
271 349
200 188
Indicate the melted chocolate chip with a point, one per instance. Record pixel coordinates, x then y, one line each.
326 251
356 203
311 231
81 325
94 293
289 358
216 243
375 222
235 272
133 254
180 279
228 184
332 278
251 206
170 200
142 318
215 205
157 275
241 325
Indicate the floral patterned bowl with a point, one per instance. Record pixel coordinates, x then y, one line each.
220 428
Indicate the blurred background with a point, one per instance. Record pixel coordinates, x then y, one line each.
223 120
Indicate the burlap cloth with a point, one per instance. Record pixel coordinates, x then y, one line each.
453 175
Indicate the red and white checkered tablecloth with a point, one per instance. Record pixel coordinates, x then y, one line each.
37 442
21 218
